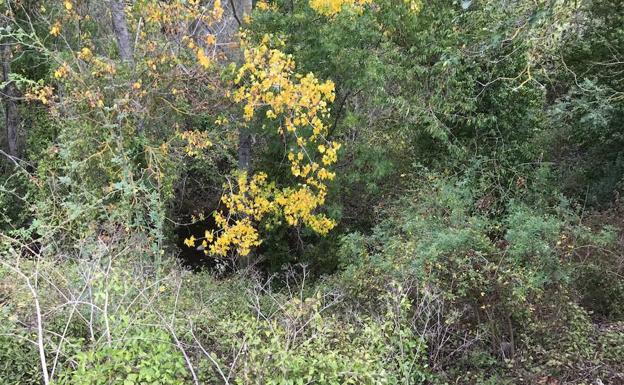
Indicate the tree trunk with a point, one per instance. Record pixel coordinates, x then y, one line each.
9 95
244 8
244 150
241 9
120 28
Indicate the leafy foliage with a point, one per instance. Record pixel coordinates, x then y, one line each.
377 192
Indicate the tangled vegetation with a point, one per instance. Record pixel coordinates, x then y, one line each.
312 192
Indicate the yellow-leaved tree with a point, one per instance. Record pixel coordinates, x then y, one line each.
332 7
299 103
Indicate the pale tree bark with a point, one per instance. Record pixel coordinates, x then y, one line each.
120 28
9 97
240 9
243 8
233 19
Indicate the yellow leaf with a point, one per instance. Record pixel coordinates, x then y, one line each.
56 29
190 242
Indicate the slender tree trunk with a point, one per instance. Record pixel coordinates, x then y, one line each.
9 95
244 150
244 8
241 9
120 28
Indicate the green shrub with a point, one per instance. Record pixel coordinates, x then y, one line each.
506 279
19 358
304 345
611 345
145 355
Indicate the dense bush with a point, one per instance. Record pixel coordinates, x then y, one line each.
504 283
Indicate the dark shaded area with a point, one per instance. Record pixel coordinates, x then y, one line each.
193 258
